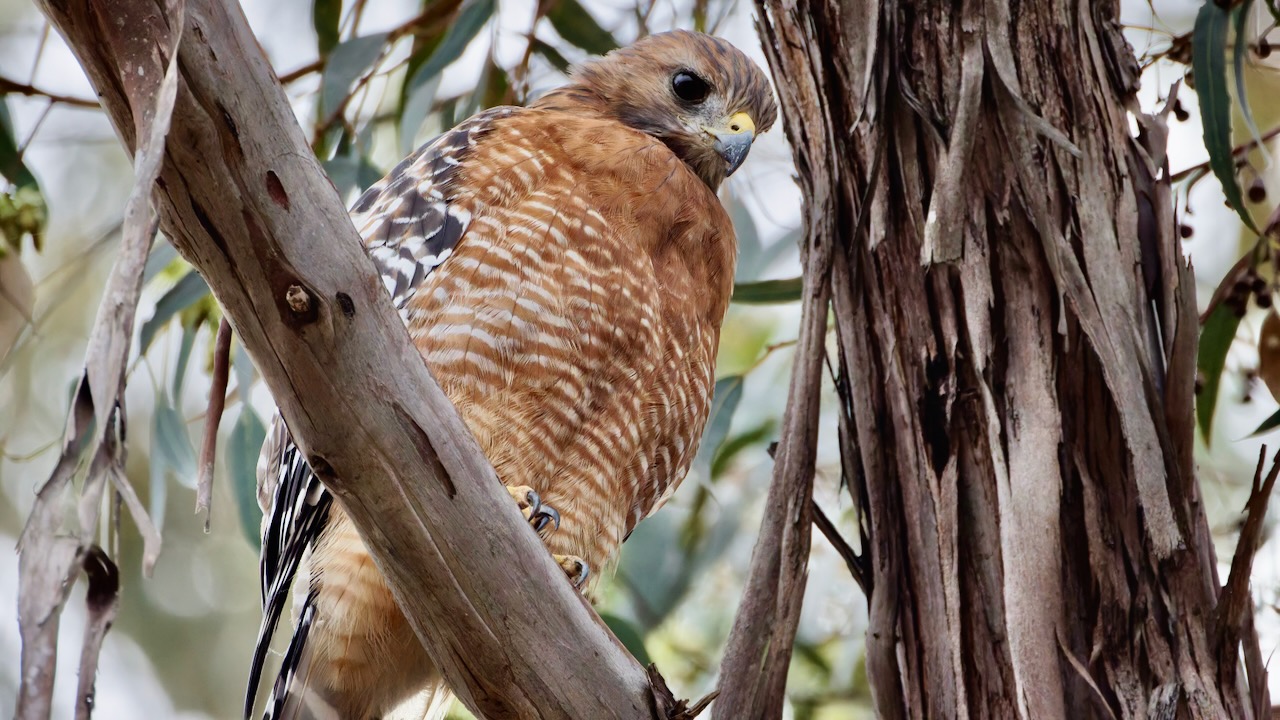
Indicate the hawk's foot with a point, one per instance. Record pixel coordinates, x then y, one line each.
575 568
540 516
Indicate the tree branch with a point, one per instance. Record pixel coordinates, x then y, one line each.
243 199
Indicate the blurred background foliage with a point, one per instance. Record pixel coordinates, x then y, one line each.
371 81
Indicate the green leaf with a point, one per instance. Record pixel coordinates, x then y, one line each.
1267 425
736 444
724 402
1216 337
1240 52
169 431
1209 63
162 253
577 26
466 26
242 461
551 55
351 173
11 165
769 292
348 61
182 295
325 17
184 356
629 636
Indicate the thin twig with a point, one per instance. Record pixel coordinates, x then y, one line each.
217 402
837 541
1237 150
13 86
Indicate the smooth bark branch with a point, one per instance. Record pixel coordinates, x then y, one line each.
243 198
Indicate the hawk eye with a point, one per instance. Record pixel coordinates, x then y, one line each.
690 87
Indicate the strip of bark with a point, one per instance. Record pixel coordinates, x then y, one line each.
213 417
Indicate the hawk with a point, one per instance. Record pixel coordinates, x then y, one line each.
564 269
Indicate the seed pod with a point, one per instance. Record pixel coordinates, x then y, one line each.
1257 191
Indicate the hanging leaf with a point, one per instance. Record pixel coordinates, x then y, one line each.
22 211
769 292
184 357
736 444
182 295
162 254
628 635
242 462
577 26
464 29
348 61
325 17
724 402
1239 53
349 172
1209 64
1267 425
1216 336
173 442
551 55
11 166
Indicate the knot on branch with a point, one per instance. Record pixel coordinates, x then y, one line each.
299 300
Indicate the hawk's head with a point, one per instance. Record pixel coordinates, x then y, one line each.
698 94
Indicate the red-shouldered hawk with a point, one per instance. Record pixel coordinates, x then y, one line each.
564 269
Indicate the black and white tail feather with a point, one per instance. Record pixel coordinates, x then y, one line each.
410 227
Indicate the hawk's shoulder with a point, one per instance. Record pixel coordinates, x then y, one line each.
408 220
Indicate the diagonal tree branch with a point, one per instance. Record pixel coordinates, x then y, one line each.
242 198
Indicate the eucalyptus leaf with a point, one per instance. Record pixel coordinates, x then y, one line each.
325 18
179 297
578 27
551 55
162 253
1216 337
1240 53
464 29
184 356
348 61
1209 63
11 166
629 635
1271 423
173 442
724 402
242 451
769 292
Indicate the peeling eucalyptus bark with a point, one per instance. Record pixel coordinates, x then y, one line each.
1016 336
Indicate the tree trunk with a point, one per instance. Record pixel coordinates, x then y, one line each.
1017 334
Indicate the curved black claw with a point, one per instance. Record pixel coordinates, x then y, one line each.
541 515
575 568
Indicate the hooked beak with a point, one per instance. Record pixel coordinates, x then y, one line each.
733 141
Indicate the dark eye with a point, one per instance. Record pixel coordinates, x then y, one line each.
690 87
